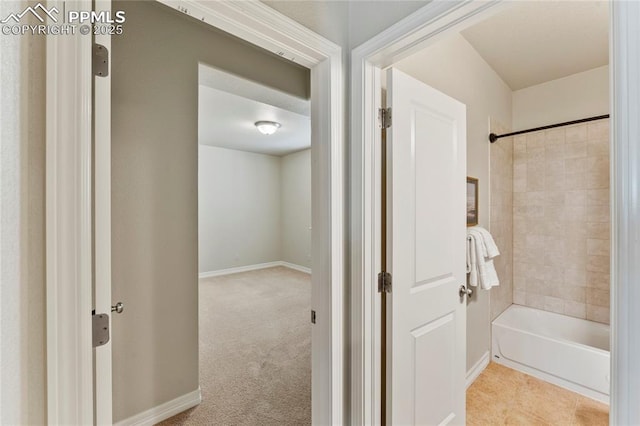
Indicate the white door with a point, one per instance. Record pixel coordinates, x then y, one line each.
102 224
426 227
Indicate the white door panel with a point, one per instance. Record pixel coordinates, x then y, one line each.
427 230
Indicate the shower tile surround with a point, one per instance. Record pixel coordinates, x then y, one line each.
501 217
560 211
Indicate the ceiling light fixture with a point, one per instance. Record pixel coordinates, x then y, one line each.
267 127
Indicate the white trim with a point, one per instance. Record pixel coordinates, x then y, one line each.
68 226
163 411
366 246
68 262
295 267
625 212
254 267
423 27
478 368
261 25
239 269
102 230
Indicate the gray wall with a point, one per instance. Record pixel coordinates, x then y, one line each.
239 208
296 208
155 189
22 226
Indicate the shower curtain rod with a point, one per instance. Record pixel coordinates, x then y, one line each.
493 137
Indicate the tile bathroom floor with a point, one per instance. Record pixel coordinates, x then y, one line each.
502 396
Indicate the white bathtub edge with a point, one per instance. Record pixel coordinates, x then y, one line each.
478 368
567 363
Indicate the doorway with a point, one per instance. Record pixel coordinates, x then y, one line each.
190 158
249 22
544 196
254 221
415 61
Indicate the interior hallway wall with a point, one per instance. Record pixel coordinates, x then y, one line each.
239 208
455 68
155 189
23 355
296 208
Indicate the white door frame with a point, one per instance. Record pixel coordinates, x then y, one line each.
624 47
411 34
69 213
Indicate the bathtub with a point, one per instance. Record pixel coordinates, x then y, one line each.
566 351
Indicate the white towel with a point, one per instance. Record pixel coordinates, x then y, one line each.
481 249
491 249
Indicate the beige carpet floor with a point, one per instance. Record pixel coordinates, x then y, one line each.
255 350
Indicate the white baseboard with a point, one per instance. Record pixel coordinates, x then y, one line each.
478 368
253 268
240 269
164 411
296 267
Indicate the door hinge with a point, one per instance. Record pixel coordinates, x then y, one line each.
100 61
384 282
100 328
384 117
313 317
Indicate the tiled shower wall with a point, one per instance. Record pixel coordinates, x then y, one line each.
561 220
501 218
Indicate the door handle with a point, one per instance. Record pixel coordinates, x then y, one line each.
464 291
118 308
